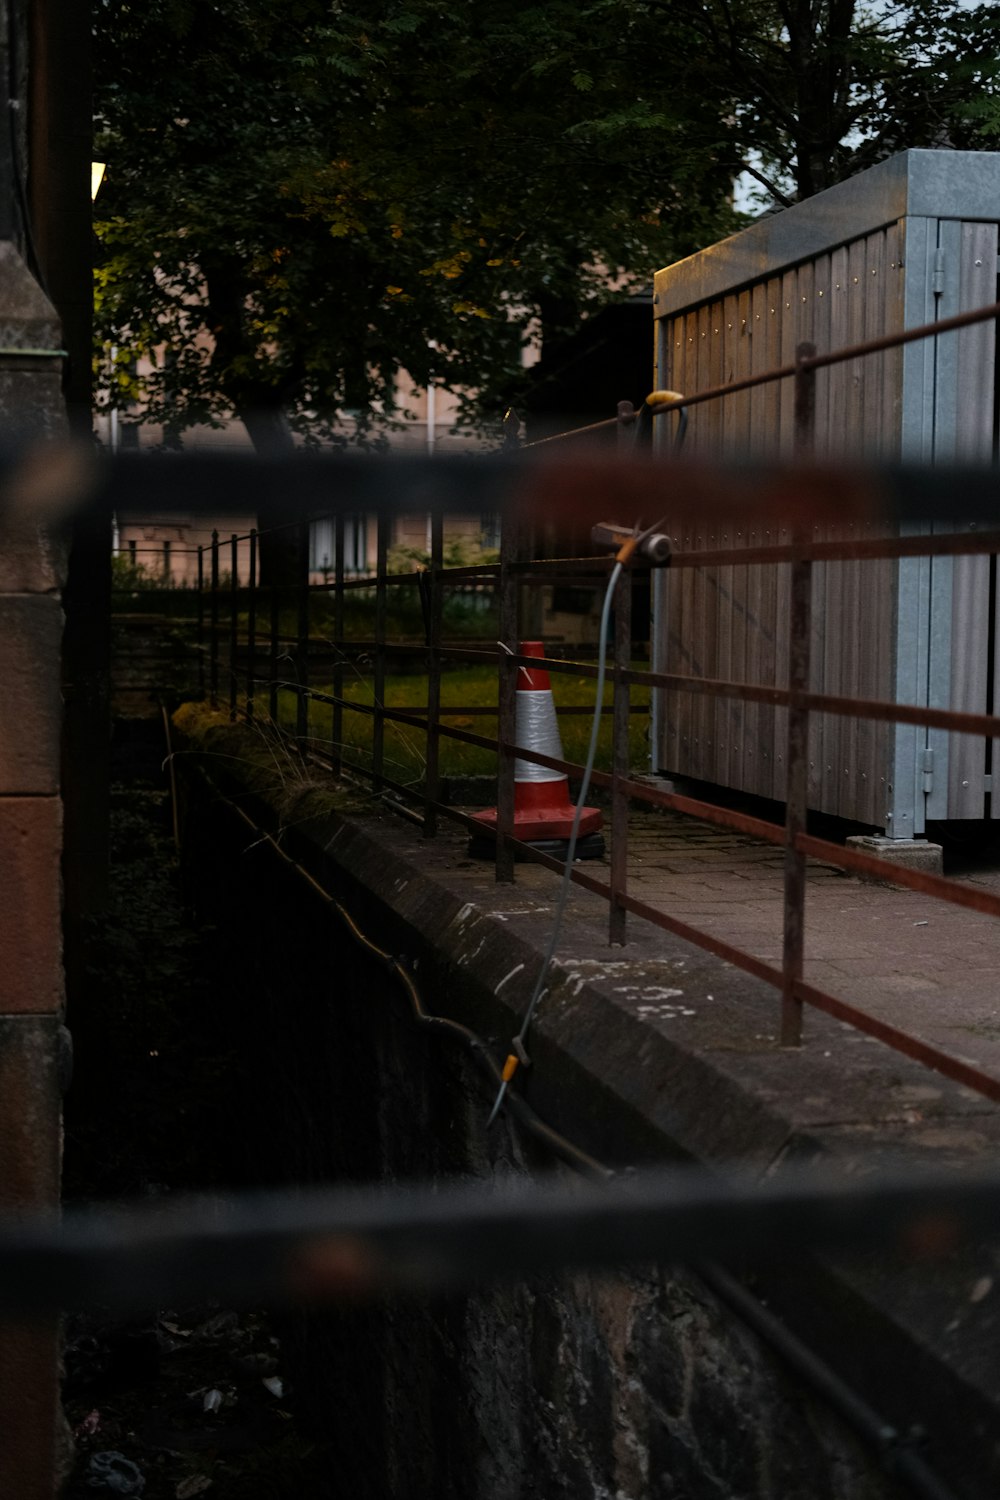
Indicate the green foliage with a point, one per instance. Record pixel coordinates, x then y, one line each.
304 198
259 756
129 577
462 689
456 552
822 89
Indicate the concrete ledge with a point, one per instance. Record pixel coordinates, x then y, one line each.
909 854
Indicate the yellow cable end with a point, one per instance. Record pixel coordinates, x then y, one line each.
510 1067
663 398
626 549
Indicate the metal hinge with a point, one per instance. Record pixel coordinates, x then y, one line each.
937 276
927 767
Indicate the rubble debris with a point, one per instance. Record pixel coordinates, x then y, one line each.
113 1472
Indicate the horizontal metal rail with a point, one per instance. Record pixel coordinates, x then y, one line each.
625 674
809 363
790 506
323 1246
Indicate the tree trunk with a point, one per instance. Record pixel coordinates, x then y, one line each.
260 410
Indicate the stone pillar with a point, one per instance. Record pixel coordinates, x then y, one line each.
33 1040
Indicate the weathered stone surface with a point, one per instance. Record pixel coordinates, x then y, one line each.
31 399
30 636
27 318
40 490
31 1049
29 1400
31 977
30 1104
909 854
32 558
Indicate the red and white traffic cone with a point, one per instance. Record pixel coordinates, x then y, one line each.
543 812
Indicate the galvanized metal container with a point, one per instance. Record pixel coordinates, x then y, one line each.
909 242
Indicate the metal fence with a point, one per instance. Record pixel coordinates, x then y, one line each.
331 1244
254 663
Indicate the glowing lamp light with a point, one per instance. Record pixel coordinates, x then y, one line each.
97 169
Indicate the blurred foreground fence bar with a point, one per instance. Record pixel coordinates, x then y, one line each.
343 1245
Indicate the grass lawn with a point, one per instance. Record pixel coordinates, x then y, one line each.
463 688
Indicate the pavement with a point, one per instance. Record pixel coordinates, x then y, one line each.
927 967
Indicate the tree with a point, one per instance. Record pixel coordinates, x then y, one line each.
309 197
305 197
821 89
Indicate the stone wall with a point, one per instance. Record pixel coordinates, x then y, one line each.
635 1387
34 492
32 1037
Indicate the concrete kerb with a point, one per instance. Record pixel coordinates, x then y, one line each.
634 1072
909 854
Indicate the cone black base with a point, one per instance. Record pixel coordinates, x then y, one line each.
590 846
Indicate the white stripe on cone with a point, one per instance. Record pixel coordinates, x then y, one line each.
542 807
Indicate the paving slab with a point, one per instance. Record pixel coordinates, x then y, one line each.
907 958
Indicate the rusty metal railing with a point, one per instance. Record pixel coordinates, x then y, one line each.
800 500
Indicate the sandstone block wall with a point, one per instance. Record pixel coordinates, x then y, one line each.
32 1035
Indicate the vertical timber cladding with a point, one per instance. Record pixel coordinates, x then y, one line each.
862 260
961 587
731 622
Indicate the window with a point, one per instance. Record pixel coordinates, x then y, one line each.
323 545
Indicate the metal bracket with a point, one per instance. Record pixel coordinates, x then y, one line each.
927 768
937 275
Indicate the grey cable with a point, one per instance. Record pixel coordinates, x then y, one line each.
571 847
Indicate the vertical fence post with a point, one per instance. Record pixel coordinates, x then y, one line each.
797 759
302 636
625 431
805 402
251 624
507 705
234 583
620 723
378 727
201 621
274 599
510 538
432 783
337 718
213 622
